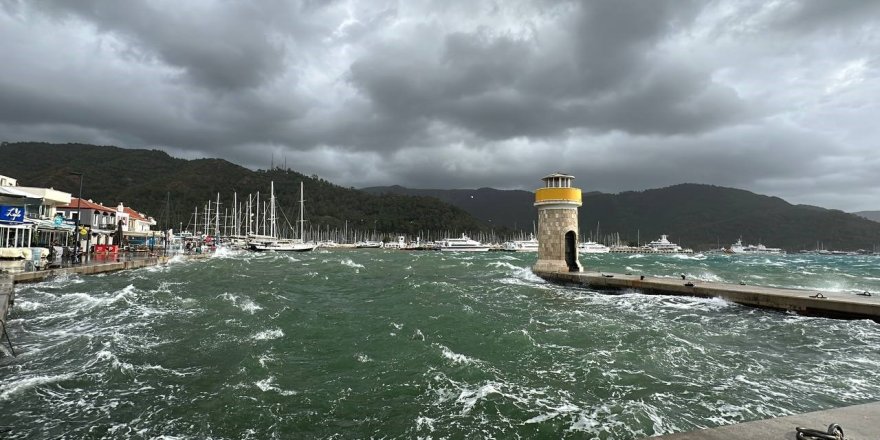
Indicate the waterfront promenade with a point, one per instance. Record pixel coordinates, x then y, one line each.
94 265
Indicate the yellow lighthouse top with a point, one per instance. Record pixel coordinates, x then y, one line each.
557 190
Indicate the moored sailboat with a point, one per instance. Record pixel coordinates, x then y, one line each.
272 242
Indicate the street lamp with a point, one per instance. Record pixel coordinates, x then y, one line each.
78 215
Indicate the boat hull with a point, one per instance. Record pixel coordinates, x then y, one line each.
300 248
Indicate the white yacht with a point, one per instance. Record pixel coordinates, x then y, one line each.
272 242
759 249
463 244
591 247
399 244
530 245
664 246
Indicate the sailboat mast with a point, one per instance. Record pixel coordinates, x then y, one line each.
301 207
217 217
272 210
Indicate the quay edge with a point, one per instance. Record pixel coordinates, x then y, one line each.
6 295
804 302
89 269
859 422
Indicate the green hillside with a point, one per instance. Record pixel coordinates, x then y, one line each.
143 179
699 216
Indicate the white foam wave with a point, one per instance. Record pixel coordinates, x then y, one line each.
20 385
92 301
469 398
348 262
245 304
424 422
268 334
268 384
28 306
225 252
563 409
503 264
456 358
265 359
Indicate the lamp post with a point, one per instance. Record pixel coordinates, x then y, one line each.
78 215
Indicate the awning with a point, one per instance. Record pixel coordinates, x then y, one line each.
142 234
12 191
49 225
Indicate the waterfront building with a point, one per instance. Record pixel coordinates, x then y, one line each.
38 224
137 228
96 220
134 221
558 204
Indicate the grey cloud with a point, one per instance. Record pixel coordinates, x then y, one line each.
499 87
627 95
223 48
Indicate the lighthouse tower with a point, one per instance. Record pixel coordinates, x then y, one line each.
558 204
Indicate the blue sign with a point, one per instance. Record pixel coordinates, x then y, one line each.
58 220
12 214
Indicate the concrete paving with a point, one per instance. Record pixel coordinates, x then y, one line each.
804 302
859 422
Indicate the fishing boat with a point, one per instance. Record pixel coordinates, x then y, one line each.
463 244
275 244
530 245
591 247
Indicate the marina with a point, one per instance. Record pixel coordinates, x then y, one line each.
460 342
296 322
323 220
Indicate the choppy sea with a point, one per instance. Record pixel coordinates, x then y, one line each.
391 344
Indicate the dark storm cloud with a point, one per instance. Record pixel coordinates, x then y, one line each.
604 76
626 95
226 48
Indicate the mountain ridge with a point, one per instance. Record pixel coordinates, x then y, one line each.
694 215
697 215
143 179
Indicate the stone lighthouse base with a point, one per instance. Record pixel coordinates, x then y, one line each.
554 266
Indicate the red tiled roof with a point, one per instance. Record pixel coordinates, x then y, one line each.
132 214
85 204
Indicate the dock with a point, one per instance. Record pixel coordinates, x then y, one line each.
804 302
859 422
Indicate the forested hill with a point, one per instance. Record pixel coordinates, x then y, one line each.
143 179
700 216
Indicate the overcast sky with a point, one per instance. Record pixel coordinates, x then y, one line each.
777 97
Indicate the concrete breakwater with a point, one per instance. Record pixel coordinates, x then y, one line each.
804 302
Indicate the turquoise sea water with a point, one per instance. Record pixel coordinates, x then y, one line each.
391 344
